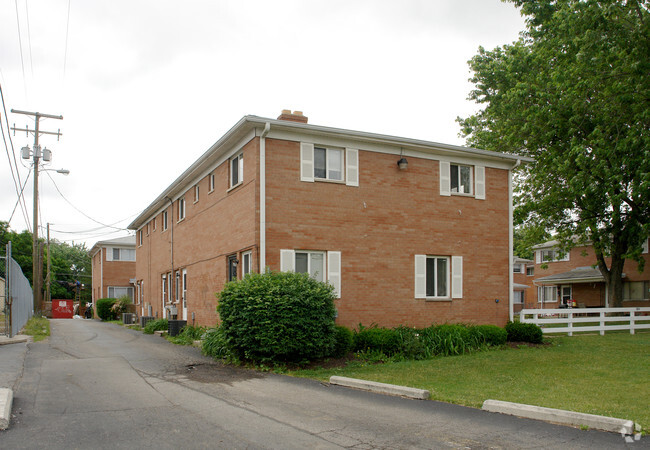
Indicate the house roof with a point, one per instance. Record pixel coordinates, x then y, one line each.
251 126
518 260
578 275
125 241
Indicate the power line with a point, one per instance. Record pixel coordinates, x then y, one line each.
20 43
29 40
65 54
19 197
80 211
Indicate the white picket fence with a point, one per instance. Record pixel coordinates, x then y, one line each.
609 319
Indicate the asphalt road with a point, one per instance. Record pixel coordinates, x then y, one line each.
98 385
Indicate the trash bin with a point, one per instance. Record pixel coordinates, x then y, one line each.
62 309
175 327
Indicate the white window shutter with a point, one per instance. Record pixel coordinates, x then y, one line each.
109 253
287 261
420 276
306 161
538 256
456 277
352 167
479 182
445 178
645 246
334 271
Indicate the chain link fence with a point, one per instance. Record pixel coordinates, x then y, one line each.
16 296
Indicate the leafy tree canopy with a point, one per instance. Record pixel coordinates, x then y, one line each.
574 93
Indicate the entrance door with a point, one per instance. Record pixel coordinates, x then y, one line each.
184 292
566 295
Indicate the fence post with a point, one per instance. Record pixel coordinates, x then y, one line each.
602 323
632 322
570 319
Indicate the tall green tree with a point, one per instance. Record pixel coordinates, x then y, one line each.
574 93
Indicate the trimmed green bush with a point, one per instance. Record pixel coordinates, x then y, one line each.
344 339
278 316
156 325
524 332
490 334
104 310
374 338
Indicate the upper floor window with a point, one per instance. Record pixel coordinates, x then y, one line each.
516 268
210 182
155 219
196 193
236 170
461 179
181 208
328 163
139 237
550 255
164 220
121 254
530 271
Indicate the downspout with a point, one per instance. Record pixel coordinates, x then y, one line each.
267 128
511 307
171 282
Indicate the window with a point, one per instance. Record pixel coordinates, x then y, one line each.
312 263
518 297
437 277
530 271
123 254
547 294
119 292
178 286
516 268
566 292
164 220
236 170
155 219
164 289
233 262
461 179
140 237
181 208
328 163
246 263
636 291
551 255
184 290
148 228
196 193
210 183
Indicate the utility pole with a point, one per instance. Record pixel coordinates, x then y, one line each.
48 278
36 271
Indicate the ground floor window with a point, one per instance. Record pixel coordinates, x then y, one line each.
320 265
547 294
312 263
636 290
437 276
519 297
119 292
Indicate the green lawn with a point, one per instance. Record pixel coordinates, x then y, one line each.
606 375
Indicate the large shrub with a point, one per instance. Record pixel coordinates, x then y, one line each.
343 341
524 332
489 334
104 308
374 338
215 345
278 316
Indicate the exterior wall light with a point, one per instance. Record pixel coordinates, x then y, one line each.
402 163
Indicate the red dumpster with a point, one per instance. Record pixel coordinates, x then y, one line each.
62 309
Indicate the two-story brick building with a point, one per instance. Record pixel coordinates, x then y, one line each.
407 231
564 278
113 268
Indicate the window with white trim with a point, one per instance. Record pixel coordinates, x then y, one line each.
236 170
210 183
547 294
181 208
320 265
122 254
247 261
155 220
516 268
438 277
164 288
196 193
551 255
636 291
328 163
119 292
178 286
164 220
530 271
460 179
518 297
140 238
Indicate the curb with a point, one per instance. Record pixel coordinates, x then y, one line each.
6 399
16 339
381 388
561 416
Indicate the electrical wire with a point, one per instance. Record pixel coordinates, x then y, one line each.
29 40
20 43
80 211
21 193
67 29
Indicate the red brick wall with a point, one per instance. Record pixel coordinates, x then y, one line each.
114 273
221 223
381 225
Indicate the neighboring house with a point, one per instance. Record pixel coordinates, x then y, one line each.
573 278
523 271
113 268
407 231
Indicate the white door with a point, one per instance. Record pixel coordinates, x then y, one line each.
184 293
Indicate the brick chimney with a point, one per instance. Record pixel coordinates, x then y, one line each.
296 116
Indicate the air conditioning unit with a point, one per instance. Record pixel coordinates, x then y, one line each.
145 319
128 318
